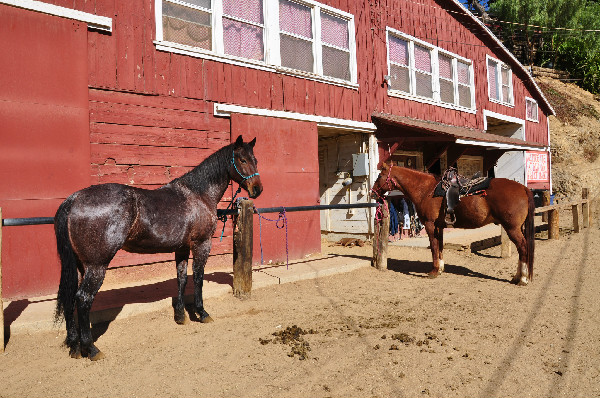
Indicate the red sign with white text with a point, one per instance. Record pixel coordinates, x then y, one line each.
537 166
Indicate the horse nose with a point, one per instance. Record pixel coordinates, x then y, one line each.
256 191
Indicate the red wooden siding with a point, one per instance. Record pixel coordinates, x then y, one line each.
44 141
289 170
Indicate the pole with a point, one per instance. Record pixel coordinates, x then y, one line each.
585 207
380 239
553 224
1 303
242 250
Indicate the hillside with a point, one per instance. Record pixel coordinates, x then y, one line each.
574 138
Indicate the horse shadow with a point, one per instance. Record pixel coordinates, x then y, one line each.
109 304
420 269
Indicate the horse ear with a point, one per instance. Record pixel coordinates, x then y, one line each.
384 166
252 143
239 141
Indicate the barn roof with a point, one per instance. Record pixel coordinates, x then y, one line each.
503 48
459 135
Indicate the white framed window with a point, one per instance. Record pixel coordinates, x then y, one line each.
531 110
298 37
422 72
500 87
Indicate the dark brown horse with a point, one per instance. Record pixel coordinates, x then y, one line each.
91 225
505 202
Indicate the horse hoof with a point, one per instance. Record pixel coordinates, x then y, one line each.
206 319
75 353
98 356
182 320
433 275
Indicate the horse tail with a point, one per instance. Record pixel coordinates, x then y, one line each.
69 279
529 233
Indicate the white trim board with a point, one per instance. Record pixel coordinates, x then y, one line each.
225 110
94 21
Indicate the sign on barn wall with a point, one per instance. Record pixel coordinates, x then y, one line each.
537 166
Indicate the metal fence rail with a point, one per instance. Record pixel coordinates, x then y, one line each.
14 222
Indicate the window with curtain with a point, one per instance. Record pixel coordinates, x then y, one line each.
243 27
427 73
499 82
531 109
302 37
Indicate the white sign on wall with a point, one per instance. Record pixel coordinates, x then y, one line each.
537 166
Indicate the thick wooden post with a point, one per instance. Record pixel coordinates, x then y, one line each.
575 210
505 244
380 239
585 207
242 250
553 228
545 202
1 303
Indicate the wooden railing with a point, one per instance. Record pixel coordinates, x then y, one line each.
580 209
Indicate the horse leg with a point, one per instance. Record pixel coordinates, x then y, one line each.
200 253
521 278
181 258
92 280
435 238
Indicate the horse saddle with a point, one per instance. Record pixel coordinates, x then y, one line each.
453 186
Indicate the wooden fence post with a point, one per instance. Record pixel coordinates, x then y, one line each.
1 303
380 239
505 244
553 224
242 250
585 208
575 210
545 202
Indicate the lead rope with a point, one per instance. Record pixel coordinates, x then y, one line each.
224 216
283 219
379 211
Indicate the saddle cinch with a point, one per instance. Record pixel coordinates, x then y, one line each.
453 186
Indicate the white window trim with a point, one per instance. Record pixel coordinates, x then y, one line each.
537 111
436 100
94 21
271 42
225 110
511 100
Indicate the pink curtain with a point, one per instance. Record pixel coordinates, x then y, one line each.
295 18
422 59
334 31
445 67
463 73
243 40
398 51
250 10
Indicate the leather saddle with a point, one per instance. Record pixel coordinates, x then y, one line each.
453 186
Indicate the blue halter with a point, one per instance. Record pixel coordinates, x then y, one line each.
236 169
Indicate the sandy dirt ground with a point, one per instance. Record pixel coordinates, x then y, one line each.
468 333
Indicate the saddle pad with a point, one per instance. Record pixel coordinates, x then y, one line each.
482 185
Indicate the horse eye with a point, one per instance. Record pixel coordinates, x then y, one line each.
243 161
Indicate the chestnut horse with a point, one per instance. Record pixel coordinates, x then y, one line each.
505 202
91 225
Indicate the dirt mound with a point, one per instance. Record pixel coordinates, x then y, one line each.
574 138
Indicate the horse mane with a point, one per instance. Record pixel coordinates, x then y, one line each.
211 171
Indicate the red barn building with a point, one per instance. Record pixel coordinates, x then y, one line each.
139 92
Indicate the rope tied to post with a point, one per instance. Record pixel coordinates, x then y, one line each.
223 218
280 223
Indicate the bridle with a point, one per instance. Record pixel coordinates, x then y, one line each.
389 182
244 178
